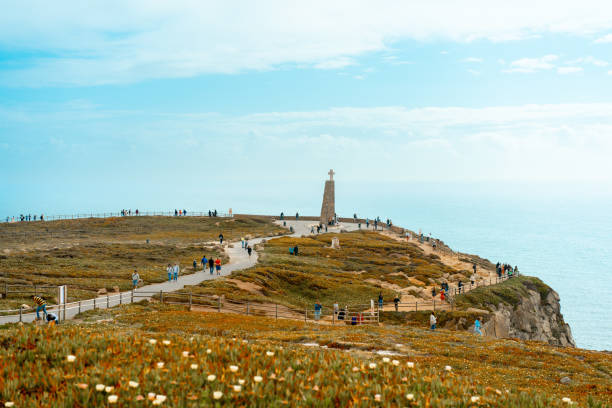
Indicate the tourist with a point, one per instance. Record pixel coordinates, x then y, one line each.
52 319
396 301
282 216
249 250
342 313
184 212
473 279
336 308
516 271
42 218
169 269
291 250
477 327
295 250
318 308
176 270
433 291
242 242
175 212
380 300
180 213
459 286
41 304
135 279
442 295
432 321
218 265
312 229
204 262
221 239
297 216
211 265
367 223
474 268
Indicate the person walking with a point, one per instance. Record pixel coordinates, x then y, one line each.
433 292
242 241
477 327
380 300
442 295
249 250
295 250
195 265
41 304
336 308
169 269
218 265
211 265
176 270
396 301
221 239
204 262
135 279
432 321
317 308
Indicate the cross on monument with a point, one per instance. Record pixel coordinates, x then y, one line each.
331 174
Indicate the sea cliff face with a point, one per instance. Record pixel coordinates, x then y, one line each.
523 308
536 317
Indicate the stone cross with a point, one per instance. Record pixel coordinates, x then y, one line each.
331 175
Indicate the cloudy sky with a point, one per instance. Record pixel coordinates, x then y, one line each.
148 99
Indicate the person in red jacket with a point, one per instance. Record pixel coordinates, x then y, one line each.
218 266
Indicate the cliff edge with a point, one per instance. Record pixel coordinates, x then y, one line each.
524 308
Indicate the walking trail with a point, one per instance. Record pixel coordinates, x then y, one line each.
239 259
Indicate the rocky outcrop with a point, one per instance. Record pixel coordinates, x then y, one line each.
536 316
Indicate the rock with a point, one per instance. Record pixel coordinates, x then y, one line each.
24 306
565 380
102 291
116 289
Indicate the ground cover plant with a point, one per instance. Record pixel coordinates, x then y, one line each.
367 264
109 364
90 254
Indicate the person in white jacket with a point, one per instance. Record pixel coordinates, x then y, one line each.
176 271
433 321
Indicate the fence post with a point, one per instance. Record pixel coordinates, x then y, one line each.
20 314
161 296
132 296
107 301
190 301
5 289
79 307
94 303
65 309
276 311
305 314
220 305
434 305
416 306
333 317
247 308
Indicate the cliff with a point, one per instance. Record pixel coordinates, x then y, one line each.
523 308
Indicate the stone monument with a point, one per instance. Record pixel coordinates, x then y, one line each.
328 208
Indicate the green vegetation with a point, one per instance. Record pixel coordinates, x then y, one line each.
509 292
367 263
116 350
91 254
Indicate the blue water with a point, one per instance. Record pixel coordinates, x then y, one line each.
559 233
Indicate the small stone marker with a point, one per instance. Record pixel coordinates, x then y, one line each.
335 244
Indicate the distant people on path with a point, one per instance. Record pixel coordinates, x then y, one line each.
380 300
433 292
218 265
204 262
336 308
221 239
242 242
175 212
297 216
41 304
477 327
195 264
442 295
211 265
175 271
432 321
282 216
312 229
473 279
474 268
135 279
396 301
295 250
459 286
169 269
317 308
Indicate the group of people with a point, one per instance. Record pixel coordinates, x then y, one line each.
211 263
25 218
181 213
319 227
506 270
246 246
128 213
41 305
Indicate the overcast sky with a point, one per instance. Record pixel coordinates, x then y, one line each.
130 97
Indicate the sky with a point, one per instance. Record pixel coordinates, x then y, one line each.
151 104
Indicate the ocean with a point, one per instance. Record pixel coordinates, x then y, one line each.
557 232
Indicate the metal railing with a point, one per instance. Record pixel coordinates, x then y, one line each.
115 214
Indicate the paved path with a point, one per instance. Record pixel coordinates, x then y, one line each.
239 259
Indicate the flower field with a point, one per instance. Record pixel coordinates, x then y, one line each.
81 366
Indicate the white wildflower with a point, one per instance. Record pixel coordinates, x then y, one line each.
99 387
241 381
133 384
9 404
566 400
410 364
233 368
269 353
395 362
160 364
108 389
410 396
166 342
355 369
257 378
70 358
448 368
372 365
386 359
237 388
185 354
475 398
112 399
211 377
194 366
377 397
152 341
217 394
161 398
208 351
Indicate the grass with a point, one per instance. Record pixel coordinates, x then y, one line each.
509 292
367 264
34 370
90 254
